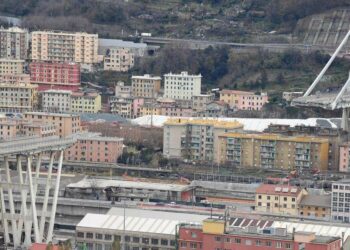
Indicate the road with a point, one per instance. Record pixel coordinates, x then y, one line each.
201 44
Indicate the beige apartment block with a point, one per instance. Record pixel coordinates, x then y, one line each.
85 102
199 102
66 124
122 107
146 86
64 47
195 139
11 66
278 199
14 43
18 97
56 101
118 59
13 79
273 151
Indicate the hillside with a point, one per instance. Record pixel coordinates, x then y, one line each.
231 20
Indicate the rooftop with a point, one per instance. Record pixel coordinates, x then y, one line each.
104 183
57 91
51 114
138 220
85 94
147 76
183 73
96 137
275 137
204 122
284 190
316 200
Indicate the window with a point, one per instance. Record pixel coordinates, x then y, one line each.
164 242
145 240
136 239
80 235
217 238
193 235
278 244
259 197
193 245
285 198
248 242
99 236
183 245
288 246
154 241
238 241
108 237
258 242
89 235
268 243
127 238
293 199
172 242
228 240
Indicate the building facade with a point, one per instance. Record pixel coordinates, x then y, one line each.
194 139
11 66
182 86
86 102
122 107
65 124
122 91
316 206
278 199
14 43
64 47
273 151
55 101
243 100
51 75
214 109
118 59
341 201
199 102
146 86
92 147
18 97
214 234
14 79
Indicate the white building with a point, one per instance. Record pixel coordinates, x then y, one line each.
56 100
144 229
182 86
341 201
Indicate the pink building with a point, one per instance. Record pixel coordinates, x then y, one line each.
92 147
136 105
243 100
64 76
215 235
344 157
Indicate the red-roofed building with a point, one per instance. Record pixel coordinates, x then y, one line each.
278 199
243 100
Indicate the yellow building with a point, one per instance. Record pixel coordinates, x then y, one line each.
278 199
195 139
85 102
11 66
18 97
150 109
273 151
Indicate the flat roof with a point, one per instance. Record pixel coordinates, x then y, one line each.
183 73
58 91
204 122
104 183
96 137
139 220
147 76
276 137
50 114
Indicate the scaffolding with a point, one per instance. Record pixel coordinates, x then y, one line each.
26 225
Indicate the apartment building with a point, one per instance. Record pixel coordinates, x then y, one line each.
278 199
118 59
216 234
182 86
92 147
18 97
122 107
10 128
54 75
11 66
85 102
316 206
273 151
64 47
341 201
199 102
66 124
194 139
14 79
335 136
14 43
122 91
146 86
214 109
344 157
56 101
243 100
